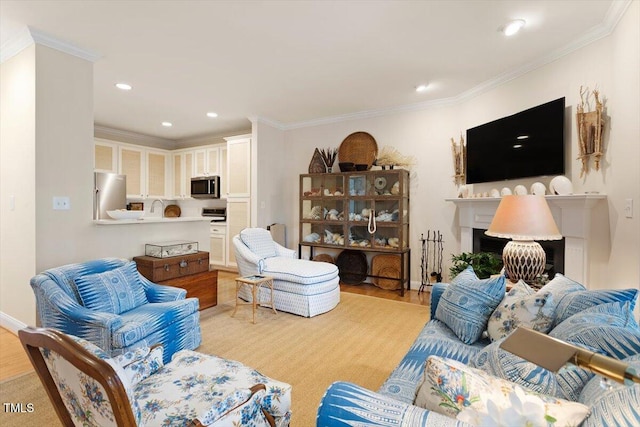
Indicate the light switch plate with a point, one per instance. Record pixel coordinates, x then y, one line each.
628 208
61 203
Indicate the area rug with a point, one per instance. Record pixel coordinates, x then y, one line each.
361 341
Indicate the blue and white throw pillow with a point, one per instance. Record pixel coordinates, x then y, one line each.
113 291
465 306
466 276
608 329
576 302
616 405
498 362
259 241
522 306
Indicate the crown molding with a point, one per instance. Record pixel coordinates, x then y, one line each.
273 123
28 36
105 132
16 44
615 12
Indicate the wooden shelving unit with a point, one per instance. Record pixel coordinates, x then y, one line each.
364 211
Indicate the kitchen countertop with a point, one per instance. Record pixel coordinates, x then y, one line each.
150 220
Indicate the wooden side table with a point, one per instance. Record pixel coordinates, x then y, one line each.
255 282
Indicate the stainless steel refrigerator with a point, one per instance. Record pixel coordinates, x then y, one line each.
110 193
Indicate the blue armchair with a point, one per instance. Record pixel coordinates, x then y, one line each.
108 303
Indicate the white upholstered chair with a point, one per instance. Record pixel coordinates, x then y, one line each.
302 287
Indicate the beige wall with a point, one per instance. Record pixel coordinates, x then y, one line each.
46 151
611 64
18 181
271 173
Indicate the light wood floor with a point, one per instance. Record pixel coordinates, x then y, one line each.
14 360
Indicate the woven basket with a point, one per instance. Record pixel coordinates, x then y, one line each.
386 266
359 148
352 266
324 258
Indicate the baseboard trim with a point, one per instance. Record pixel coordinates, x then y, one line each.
11 323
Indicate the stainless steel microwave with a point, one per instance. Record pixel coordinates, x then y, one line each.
205 187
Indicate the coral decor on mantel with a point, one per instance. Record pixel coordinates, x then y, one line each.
459 160
590 130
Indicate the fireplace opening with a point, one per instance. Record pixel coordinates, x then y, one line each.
553 249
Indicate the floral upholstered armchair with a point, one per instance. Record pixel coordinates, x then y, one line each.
87 387
109 303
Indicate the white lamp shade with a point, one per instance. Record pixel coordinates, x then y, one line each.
524 218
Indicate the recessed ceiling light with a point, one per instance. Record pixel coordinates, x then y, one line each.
517 146
523 137
123 86
212 114
167 124
421 88
513 27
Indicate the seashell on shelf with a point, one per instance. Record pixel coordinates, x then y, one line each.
312 238
538 189
561 185
395 189
520 190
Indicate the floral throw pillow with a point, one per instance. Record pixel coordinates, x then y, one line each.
470 395
522 306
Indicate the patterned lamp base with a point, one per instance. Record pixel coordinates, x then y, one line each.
523 260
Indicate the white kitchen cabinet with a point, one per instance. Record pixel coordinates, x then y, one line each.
238 218
105 156
224 180
239 166
218 247
146 171
182 174
206 161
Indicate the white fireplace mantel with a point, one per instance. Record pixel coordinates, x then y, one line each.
572 215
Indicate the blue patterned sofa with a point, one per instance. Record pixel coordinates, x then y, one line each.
108 303
601 321
302 287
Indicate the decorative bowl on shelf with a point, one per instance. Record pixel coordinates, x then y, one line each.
347 166
362 167
125 214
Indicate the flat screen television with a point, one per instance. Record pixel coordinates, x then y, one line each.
527 144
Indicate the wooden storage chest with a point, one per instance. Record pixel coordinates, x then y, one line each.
161 269
203 286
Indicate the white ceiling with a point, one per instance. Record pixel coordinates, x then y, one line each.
299 62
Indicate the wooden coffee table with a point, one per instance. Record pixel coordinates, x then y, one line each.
255 282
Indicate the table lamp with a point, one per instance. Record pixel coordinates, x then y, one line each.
523 219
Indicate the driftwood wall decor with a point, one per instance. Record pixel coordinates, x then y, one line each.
590 130
459 151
